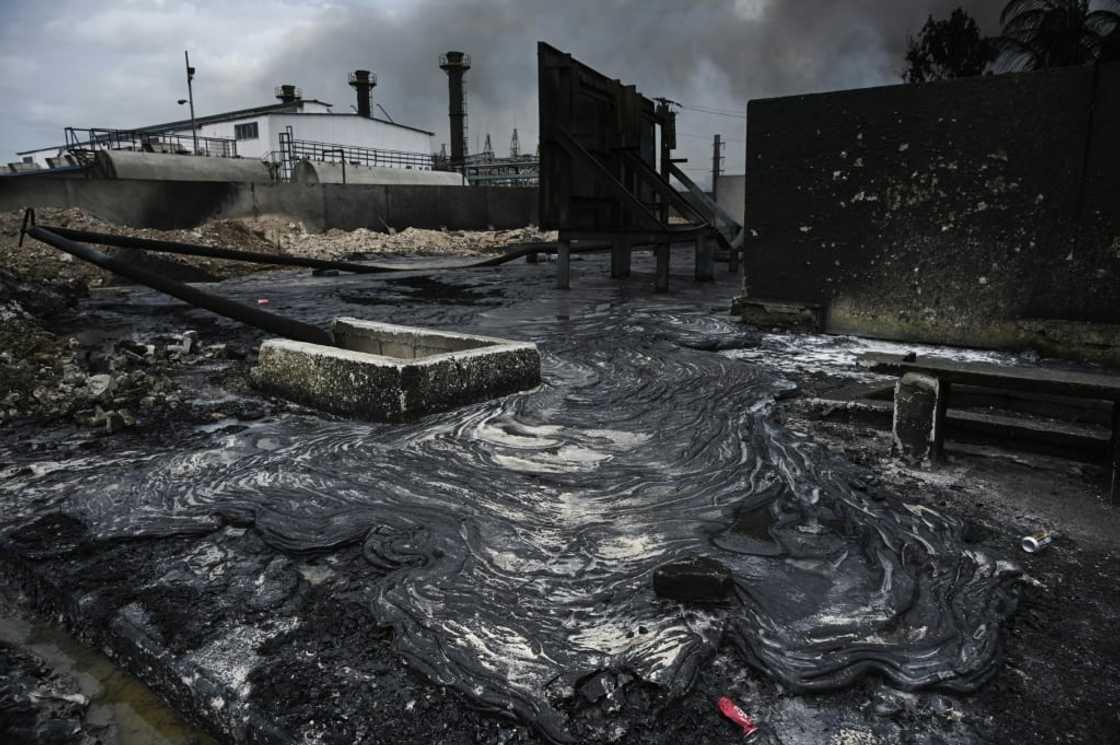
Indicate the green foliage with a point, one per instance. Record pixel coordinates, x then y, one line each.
951 48
1053 33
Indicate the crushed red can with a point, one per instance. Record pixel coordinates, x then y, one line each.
728 708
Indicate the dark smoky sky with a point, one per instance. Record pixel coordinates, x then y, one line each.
118 63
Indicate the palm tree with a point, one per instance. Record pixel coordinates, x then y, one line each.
1054 33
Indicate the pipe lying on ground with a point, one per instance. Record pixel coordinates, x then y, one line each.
215 252
270 322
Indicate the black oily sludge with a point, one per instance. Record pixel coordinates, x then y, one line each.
517 538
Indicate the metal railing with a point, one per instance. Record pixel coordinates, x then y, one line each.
292 151
486 170
82 142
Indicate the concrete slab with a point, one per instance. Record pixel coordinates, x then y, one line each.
386 372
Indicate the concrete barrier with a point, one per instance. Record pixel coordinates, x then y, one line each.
384 372
186 204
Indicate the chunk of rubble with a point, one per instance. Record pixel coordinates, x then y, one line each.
697 579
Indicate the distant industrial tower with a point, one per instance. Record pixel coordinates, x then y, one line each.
488 149
456 64
363 82
515 145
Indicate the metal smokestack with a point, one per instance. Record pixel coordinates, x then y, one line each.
363 82
288 93
455 64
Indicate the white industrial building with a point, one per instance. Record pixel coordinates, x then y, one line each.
267 132
257 131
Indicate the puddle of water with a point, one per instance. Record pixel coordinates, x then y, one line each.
122 710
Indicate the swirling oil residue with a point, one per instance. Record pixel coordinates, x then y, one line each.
519 535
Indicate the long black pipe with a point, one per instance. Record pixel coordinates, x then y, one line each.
247 314
214 252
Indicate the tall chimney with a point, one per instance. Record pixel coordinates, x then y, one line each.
363 82
455 64
288 93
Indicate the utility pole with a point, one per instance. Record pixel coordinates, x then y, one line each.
664 248
190 97
717 161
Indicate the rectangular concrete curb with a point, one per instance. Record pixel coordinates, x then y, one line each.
387 372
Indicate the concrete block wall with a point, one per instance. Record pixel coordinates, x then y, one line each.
982 211
185 204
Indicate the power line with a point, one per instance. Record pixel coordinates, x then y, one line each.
714 112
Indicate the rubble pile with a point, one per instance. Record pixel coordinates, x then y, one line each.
108 388
35 260
268 234
342 243
51 376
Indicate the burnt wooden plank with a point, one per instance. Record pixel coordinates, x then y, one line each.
984 374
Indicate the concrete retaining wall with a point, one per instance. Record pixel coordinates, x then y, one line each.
980 211
185 204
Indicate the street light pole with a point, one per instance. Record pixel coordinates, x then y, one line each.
190 97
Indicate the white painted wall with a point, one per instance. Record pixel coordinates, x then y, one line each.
257 148
349 129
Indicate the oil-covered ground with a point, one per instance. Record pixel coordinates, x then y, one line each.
484 575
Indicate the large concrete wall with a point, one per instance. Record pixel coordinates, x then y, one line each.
184 204
983 211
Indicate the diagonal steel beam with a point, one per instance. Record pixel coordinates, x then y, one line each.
660 185
704 199
577 151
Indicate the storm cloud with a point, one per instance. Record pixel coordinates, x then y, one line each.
119 63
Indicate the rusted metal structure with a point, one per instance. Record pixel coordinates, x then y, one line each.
602 175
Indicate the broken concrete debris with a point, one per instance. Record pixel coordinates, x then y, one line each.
697 579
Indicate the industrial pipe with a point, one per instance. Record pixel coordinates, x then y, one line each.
213 252
270 322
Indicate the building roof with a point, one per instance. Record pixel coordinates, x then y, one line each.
290 107
371 118
276 108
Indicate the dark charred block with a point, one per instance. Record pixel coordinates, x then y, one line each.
694 580
915 407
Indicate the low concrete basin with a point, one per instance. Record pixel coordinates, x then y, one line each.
386 372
